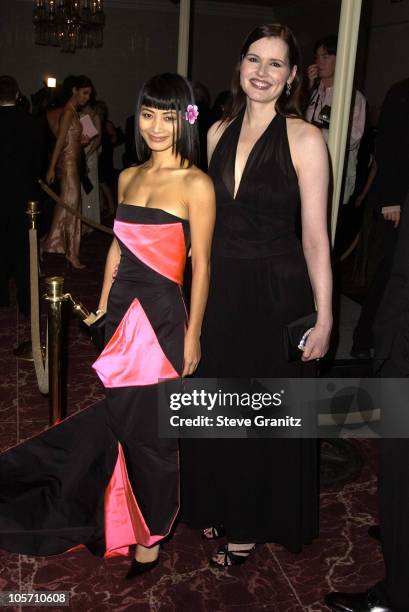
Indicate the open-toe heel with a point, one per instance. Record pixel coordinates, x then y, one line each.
226 558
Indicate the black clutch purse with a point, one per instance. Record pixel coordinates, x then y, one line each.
96 327
295 336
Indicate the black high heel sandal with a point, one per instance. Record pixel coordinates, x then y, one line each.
231 557
213 532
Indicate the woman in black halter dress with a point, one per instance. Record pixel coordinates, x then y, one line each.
262 490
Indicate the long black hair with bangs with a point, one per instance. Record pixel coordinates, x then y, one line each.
169 92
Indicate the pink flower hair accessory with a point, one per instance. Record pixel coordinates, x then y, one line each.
192 113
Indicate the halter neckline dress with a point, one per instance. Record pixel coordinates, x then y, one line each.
261 490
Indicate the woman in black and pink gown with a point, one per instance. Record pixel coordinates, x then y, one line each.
103 477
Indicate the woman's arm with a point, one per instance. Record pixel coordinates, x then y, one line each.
96 141
63 128
310 158
111 265
202 212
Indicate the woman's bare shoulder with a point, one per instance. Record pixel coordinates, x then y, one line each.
68 110
63 120
196 179
302 132
217 129
307 147
125 179
128 174
306 141
214 134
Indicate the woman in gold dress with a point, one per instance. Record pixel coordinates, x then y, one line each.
65 232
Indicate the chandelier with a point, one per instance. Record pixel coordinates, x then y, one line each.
69 24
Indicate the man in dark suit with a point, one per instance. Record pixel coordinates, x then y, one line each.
391 335
21 158
387 195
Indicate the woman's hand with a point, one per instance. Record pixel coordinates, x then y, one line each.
317 343
85 140
393 216
192 354
50 176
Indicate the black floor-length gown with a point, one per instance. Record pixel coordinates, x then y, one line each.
103 478
261 490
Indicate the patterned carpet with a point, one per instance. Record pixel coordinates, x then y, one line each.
343 557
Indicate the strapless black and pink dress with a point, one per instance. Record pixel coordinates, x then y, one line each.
103 477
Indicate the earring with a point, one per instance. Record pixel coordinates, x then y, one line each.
288 89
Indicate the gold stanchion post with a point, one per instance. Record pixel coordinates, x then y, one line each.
50 365
24 350
55 298
32 212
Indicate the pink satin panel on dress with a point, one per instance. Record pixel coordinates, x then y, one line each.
124 522
133 357
161 247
